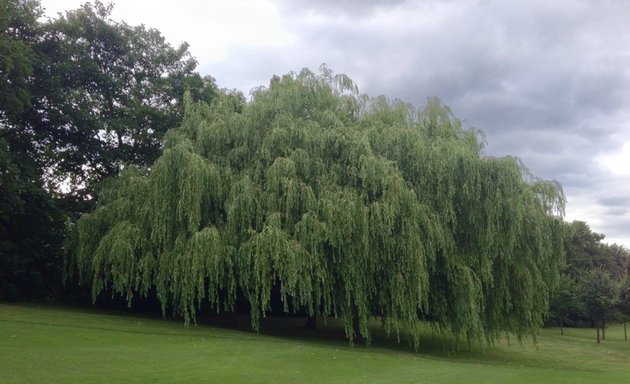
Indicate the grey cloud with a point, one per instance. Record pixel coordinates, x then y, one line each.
617 211
616 228
333 7
614 201
467 64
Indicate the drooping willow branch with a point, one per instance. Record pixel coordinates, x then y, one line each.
352 206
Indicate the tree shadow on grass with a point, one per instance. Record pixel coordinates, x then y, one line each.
330 333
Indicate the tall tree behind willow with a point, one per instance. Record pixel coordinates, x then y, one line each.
80 95
31 231
94 93
31 224
344 205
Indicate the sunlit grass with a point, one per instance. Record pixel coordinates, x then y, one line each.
59 345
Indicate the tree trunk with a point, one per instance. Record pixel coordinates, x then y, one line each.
311 323
357 330
119 136
561 329
603 330
597 326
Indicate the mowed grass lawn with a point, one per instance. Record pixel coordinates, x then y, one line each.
62 345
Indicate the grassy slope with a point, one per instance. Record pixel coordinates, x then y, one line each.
52 345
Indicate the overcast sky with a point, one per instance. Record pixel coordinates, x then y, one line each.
547 81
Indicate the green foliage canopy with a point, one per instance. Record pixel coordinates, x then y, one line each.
83 94
565 301
31 225
351 206
80 95
31 231
600 296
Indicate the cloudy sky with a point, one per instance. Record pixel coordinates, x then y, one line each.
547 81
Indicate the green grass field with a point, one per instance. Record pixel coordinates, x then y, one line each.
61 345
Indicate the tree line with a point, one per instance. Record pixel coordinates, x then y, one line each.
594 287
138 177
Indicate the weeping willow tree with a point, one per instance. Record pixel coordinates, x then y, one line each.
341 204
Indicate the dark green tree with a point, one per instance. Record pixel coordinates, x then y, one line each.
344 205
624 303
31 226
564 303
102 95
19 31
31 231
584 249
599 297
80 97
619 260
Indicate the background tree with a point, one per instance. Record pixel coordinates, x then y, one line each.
31 231
564 302
619 262
584 250
624 303
31 226
341 204
80 96
19 31
102 94
599 297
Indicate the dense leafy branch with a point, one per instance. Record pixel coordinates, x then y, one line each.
81 96
94 94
